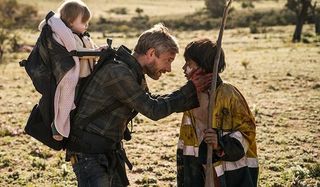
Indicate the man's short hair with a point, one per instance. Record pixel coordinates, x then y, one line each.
159 38
203 52
69 10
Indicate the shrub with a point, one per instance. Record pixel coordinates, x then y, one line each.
247 4
262 18
201 19
139 11
140 22
315 171
253 28
215 7
14 15
119 10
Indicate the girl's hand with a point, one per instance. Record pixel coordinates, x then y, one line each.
211 137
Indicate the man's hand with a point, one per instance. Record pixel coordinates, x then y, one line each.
211 137
201 80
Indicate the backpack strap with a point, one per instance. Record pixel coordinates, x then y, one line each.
49 15
23 63
106 56
124 55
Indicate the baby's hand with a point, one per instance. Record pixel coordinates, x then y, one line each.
103 47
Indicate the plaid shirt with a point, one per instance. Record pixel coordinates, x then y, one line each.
116 81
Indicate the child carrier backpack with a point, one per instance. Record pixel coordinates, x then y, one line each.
43 73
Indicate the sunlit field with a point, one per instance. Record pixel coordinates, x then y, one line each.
279 79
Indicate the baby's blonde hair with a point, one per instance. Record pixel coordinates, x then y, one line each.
71 9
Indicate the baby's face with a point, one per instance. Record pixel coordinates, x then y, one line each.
78 26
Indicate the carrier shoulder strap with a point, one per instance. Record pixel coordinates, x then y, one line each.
107 55
23 63
49 15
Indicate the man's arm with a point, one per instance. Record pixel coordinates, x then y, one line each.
123 86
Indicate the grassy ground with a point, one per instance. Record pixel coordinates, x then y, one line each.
150 7
279 79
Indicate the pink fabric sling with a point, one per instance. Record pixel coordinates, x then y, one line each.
65 91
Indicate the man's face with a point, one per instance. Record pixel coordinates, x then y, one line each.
159 65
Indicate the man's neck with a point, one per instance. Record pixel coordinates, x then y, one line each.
141 59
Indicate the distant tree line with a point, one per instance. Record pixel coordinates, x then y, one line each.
303 9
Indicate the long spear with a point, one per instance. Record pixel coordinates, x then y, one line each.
209 169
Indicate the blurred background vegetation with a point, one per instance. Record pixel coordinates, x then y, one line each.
203 15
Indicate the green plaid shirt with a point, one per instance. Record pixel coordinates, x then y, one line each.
116 81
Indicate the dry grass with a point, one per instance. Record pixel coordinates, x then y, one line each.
150 7
280 81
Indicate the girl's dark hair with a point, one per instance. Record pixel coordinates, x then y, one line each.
203 52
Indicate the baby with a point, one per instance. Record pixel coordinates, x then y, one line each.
69 28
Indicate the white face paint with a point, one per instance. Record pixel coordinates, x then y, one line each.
188 70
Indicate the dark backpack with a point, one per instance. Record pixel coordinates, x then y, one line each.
43 73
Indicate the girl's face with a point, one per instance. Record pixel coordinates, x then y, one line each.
78 26
189 68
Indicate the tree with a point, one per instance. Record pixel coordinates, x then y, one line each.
215 7
300 7
316 17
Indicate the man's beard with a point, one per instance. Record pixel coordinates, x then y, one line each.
151 71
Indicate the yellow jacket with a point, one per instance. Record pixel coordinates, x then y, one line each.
232 115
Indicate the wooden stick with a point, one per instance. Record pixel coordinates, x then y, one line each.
209 168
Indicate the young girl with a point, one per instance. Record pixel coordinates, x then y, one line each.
235 154
69 29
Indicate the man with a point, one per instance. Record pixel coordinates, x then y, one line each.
122 81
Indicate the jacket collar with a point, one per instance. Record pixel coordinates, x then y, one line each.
124 54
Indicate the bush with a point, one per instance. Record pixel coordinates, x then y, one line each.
315 171
119 10
215 7
262 18
3 38
14 15
140 22
201 19
247 4
253 27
